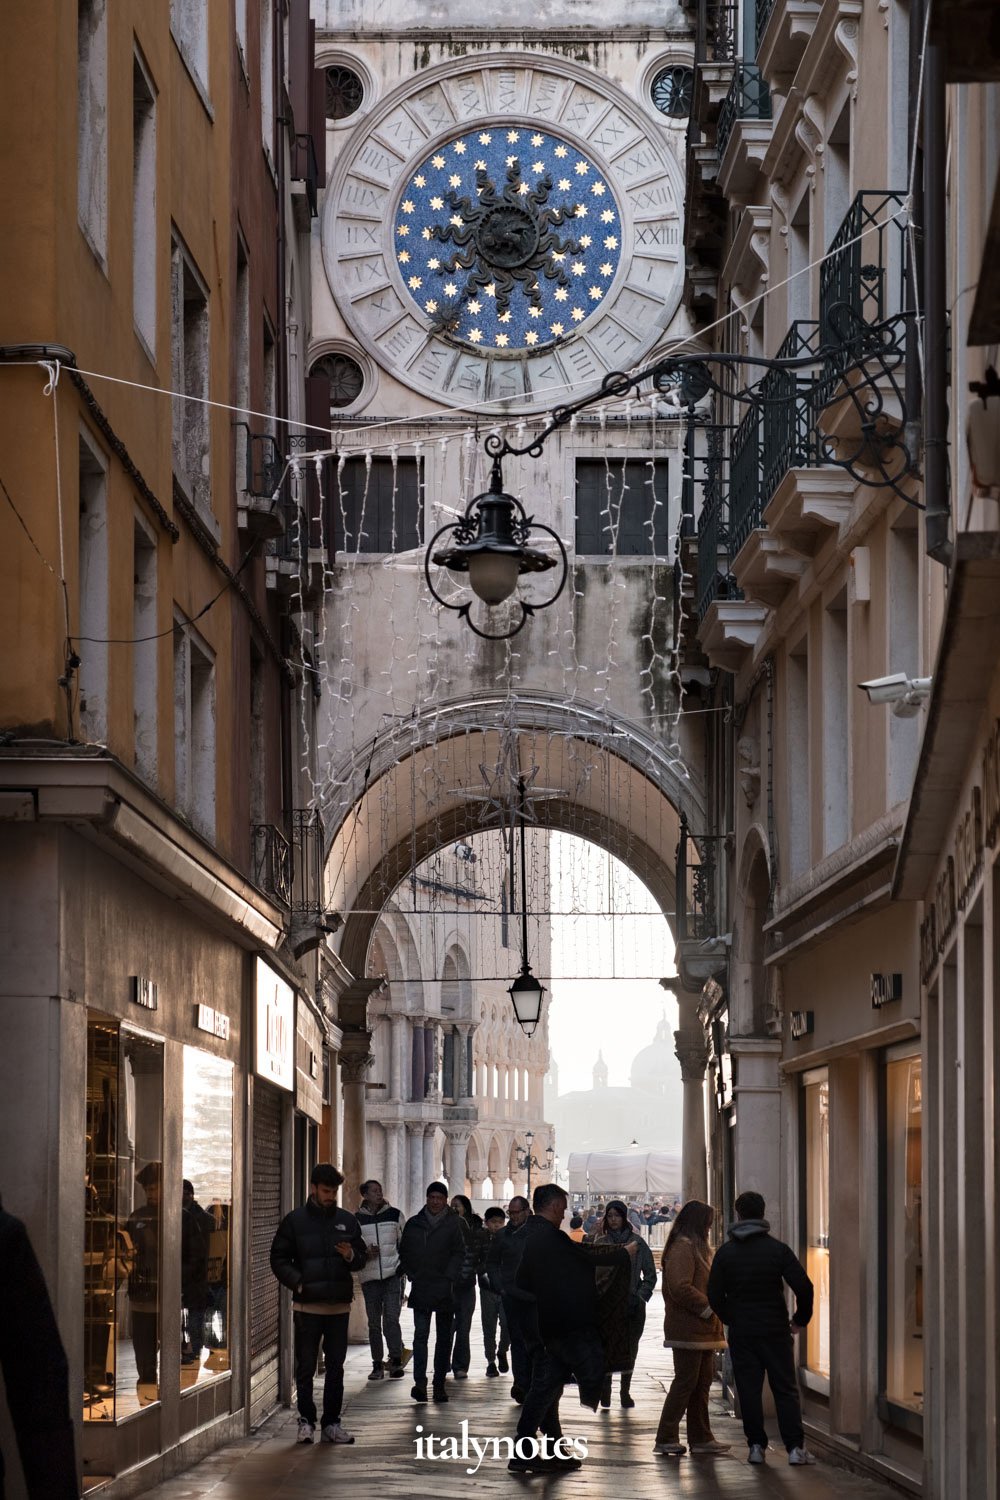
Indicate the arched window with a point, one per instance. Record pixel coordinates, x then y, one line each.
344 93
672 91
345 376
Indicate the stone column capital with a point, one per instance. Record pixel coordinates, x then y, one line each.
355 1062
692 1054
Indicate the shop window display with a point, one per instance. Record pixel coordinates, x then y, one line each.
904 1291
206 1208
816 1103
123 1198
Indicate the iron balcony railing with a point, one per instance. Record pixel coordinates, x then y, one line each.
764 9
718 30
749 98
307 861
863 275
744 480
713 536
272 862
695 886
788 412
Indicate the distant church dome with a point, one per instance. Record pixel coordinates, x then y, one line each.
654 1069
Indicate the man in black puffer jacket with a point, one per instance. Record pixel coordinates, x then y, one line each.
314 1252
432 1252
746 1288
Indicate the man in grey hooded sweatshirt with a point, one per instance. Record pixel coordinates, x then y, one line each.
746 1288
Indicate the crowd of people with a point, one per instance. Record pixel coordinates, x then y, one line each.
558 1306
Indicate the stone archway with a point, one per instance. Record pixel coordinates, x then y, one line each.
451 772
421 787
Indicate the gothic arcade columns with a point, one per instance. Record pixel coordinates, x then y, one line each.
398 1051
430 1172
395 1164
456 1148
415 1153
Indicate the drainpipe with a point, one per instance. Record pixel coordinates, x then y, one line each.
937 519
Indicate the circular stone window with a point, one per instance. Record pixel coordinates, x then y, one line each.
346 378
345 93
508 239
672 91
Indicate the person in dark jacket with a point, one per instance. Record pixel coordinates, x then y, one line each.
746 1290
465 1286
503 1257
432 1253
491 1306
314 1253
196 1232
35 1371
616 1229
560 1275
142 1229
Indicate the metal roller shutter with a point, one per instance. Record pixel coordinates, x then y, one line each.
265 1213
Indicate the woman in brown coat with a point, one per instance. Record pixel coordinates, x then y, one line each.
691 1330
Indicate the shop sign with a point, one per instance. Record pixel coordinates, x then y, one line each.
275 1028
800 1024
143 992
885 988
976 830
206 1018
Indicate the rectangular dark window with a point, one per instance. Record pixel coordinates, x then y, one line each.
627 497
377 510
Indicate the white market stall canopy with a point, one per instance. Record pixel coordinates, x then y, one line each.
645 1174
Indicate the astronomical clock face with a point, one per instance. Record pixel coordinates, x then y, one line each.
505 233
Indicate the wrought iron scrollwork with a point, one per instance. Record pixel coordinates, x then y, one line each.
859 363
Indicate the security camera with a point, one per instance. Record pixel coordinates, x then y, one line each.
904 693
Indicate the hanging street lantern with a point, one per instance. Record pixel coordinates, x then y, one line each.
491 546
526 996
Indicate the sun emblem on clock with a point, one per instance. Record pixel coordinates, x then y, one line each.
505 238
508 239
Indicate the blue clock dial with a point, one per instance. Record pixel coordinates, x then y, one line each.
507 238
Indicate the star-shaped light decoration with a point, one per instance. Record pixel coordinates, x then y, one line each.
510 261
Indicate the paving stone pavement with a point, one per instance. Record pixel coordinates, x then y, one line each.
270 1466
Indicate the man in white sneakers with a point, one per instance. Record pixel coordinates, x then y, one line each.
382 1278
314 1253
746 1289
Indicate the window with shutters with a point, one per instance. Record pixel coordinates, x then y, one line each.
377 510
622 508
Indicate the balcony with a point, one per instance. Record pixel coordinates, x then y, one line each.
728 626
713 535
263 466
744 480
789 413
863 276
863 282
701 953
305 182
743 131
783 31
295 558
716 49
271 862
